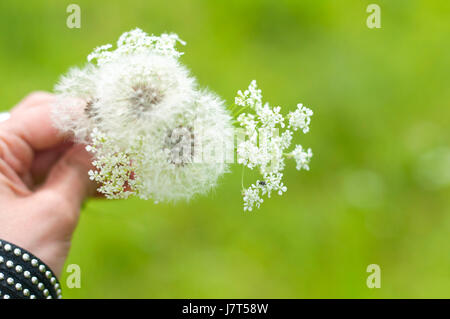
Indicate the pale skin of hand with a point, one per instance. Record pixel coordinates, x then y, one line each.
43 182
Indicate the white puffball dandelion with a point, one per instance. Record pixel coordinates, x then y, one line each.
138 91
75 91
149 128
167 162
187 158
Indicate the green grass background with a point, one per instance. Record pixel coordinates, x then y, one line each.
378 189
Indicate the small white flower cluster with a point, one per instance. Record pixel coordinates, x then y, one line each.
265 148
302 157
300 118
144 119
137 41
115 168
250 97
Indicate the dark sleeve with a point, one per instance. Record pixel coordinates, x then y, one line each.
24 276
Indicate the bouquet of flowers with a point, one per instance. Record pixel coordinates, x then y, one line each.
155 134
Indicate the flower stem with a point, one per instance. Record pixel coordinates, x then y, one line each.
235 114
242 178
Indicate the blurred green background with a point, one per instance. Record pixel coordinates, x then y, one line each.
378 189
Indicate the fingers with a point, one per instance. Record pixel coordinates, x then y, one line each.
10 183
44 161
29 130
33 124
31 121
32 143
69 177
33 99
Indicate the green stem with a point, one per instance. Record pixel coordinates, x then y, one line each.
242 178
239 111
232 107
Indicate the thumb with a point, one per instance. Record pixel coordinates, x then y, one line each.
69 177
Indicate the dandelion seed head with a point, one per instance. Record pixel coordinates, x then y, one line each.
144 120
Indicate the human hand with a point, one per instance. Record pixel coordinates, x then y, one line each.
43 182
